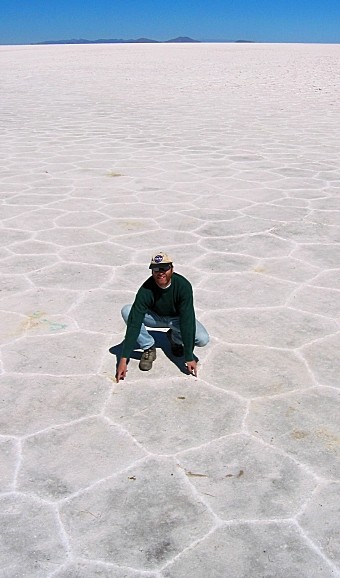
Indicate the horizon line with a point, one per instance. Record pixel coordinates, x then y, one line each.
142 40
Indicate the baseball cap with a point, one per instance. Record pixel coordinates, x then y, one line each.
160 259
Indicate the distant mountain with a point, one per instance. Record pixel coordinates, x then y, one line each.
224 41
141 41
182 39
116 41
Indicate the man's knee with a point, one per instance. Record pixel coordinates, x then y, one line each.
202 337
125 312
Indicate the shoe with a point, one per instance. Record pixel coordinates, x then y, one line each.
176 348
148 357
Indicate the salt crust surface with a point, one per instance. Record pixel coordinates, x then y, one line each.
227 156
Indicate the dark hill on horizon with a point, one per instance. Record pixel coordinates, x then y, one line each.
116 41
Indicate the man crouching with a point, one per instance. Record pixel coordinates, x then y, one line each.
164 300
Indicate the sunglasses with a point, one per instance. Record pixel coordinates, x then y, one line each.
161 269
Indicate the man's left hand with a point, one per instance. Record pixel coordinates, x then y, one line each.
192 367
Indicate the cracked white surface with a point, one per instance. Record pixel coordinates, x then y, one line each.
226 156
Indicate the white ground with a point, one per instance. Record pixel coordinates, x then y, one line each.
226 156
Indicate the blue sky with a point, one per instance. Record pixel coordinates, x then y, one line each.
26 21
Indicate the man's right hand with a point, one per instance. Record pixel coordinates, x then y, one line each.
191 367
122 369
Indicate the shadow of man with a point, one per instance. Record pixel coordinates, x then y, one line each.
161 342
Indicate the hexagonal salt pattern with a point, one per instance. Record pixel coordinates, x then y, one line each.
140 518
324 360
235 473
189 416
102 449
255 550
32 542
68 353
32 402
253 371
305 425
241 479
275 327
320 519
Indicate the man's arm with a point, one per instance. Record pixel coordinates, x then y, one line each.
187 323
141 304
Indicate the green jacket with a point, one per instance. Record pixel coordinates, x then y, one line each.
175 301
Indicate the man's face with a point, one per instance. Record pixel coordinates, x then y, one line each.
162 275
